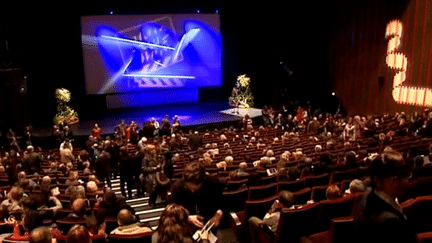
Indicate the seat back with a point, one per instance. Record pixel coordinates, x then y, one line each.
342 229
334 208
264 191
319 193
291 186
423 215
257 208
136 238
319 180
234 201
339 176
424 237
110 224
295 223
65 224
301 197
236 184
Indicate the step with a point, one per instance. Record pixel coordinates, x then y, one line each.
150 211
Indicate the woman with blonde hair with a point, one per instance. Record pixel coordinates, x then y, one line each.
174 226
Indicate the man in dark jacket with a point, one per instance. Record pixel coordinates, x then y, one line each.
32 160
103 167
378 216
195 141
126 169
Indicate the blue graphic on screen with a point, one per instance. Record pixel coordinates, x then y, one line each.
154 55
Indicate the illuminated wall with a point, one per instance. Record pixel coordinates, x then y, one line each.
381 56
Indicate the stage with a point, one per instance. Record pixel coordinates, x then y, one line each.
192 116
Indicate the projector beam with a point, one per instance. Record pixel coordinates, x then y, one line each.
158 76
138 42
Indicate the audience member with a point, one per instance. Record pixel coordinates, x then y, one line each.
333 192
174 226
200 194
378 216
271 219
78 234
40 235
128 224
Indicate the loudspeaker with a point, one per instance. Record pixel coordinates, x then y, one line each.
381 81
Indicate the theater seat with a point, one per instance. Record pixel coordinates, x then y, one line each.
295 223
319 193
342 229
291 186
301 197
65 224
339 176
234 201
424 237
239 221
330 209
423 215
264 191
319 180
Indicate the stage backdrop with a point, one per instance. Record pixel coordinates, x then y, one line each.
168 55
381 55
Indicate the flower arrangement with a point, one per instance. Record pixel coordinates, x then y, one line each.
65 113
244 94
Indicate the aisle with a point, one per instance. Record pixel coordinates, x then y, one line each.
143 210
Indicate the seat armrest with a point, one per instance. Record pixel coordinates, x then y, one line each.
235 223
321 237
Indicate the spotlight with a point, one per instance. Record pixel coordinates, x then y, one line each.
111 12
198 11
333 93
217 11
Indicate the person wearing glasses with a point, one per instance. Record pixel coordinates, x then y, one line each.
378 217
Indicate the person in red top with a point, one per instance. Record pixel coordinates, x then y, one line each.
96 131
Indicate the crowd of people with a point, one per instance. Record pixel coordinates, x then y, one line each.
190 171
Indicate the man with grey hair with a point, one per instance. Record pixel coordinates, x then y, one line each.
128 224
242 170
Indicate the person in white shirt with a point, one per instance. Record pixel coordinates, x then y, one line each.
271 219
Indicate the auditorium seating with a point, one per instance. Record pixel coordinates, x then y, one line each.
256 200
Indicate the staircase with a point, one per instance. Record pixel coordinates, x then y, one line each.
146 213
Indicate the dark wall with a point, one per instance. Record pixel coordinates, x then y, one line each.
358 50
44 40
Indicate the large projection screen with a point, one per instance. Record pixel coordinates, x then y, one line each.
146 53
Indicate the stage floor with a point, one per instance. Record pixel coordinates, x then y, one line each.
201 114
